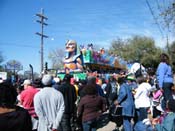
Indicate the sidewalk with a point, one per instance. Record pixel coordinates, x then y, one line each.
105 124
109 127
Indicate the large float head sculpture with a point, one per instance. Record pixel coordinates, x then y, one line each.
72 60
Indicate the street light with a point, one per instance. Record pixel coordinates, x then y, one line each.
31 67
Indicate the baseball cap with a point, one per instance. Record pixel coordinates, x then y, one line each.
26 82
130 77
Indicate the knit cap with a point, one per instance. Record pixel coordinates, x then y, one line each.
47 80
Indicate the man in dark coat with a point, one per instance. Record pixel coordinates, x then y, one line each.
70 98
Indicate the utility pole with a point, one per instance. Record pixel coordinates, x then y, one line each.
41 21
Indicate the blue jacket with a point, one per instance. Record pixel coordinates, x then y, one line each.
164 74
125 99
168 123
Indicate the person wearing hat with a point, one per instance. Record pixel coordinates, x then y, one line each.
27 100
131 81
131 77
125 99
27 95
49 106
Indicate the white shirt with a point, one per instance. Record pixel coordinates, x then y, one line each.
142 95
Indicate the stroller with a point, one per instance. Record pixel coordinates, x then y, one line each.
115 115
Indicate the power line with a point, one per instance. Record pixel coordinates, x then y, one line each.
154 17
17 45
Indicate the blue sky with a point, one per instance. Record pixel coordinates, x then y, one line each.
86 21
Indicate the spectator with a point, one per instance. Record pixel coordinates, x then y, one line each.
12 117
168 123
75 83
90 108
104 84
19 89
111 90
70 98
125 99
81 86
157 100
37 83
165 78
142 94
92 80
27 101
57 82
49 106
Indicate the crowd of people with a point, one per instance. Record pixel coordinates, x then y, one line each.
146 101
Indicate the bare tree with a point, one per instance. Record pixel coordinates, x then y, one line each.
14 66
163 12
56 56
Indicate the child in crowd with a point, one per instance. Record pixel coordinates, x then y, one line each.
157 98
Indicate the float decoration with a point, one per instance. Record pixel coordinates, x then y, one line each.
79 59
101 59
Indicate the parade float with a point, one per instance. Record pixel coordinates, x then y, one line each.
80 60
